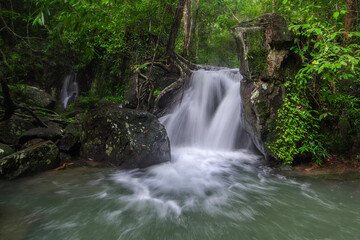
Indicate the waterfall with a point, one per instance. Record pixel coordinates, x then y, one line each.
209 114
70 90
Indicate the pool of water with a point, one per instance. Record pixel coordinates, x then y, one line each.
201 194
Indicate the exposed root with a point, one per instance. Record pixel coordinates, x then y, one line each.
144 89
185 69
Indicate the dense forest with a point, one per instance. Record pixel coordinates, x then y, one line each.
41 40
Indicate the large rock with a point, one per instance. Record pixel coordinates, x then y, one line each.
44 133
12 129
125 138
5 150
265 62
40 157
33 96
70 142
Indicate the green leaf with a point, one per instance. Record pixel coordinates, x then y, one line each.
336 15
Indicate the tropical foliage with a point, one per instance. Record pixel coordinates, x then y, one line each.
324 100
115 37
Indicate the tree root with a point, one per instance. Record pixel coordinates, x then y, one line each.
185 69
176 63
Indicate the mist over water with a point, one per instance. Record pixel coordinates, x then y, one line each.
214 187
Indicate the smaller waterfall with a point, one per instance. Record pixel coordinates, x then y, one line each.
70 90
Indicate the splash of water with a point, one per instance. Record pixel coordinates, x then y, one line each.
209 149
70 90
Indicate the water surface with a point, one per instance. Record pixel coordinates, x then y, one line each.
214 187
202 194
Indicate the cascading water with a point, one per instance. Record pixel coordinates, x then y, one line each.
208 145
209 113
214 188
70 90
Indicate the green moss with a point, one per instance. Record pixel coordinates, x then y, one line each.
257 54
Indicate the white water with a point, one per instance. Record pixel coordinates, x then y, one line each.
70 90
206 135
209 113
209 190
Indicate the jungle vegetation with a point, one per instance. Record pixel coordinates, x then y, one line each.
321 112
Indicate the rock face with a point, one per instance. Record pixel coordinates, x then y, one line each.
125 138
5 150
44 133
265 62
34 96
70 142
12 129
40 157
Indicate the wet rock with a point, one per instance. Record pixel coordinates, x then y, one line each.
31 143
64 157
125 138
33 96
44 133
263 46
40 157
12 129
70 142
5 150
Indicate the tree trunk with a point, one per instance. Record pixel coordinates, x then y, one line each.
273 6
175 28
350 17
194 26
187 27
8 103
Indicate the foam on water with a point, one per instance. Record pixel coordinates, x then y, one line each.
196 178
208 150
213 188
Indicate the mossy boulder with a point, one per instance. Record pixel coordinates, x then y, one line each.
5 150
31 143
12 129
33 96
44 133
40 157
70 142
123 137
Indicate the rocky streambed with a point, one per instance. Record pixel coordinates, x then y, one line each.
120 137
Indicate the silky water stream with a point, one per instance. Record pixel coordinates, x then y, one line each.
215 187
